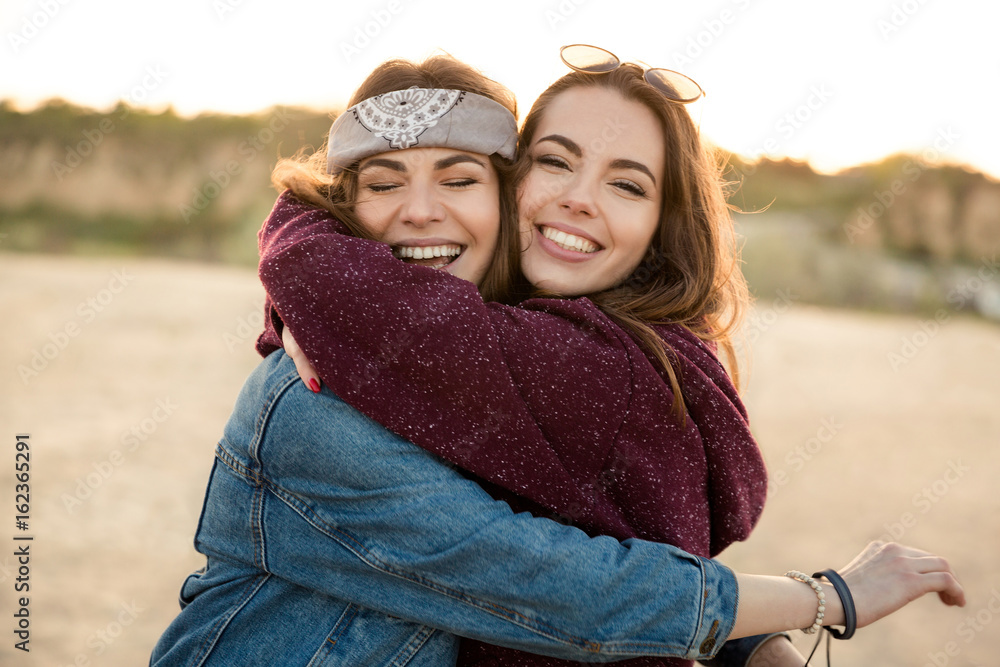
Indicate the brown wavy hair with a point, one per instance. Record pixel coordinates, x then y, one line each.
305 173
691 274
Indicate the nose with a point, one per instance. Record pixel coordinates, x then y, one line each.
579 197
422 206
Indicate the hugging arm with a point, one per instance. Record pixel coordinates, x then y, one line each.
413 362
307 490
375 327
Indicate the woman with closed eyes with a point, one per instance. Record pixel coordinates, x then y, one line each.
598 400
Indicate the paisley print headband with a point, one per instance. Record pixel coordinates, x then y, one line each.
421 118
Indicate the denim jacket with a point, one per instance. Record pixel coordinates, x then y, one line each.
330 541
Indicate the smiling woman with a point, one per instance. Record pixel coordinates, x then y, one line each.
329 537
460 136
435 207
589 208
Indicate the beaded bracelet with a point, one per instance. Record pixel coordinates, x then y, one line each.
820 595
846 599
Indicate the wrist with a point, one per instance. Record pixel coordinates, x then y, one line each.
834 606
846 600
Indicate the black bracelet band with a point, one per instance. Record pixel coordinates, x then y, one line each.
847 600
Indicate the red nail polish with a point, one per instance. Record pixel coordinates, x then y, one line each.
314 385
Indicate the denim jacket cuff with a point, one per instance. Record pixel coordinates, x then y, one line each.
718 613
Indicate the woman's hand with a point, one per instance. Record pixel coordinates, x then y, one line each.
887 576
883 578
306 370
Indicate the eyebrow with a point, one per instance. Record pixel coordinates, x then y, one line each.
443 163
395 165
458 158
620 163
565 142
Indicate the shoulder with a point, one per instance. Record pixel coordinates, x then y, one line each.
579 316
682 338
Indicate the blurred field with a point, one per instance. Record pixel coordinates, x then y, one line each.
860 443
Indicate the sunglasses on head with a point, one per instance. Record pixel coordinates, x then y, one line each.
595 60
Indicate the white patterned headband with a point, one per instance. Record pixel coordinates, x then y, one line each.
421 118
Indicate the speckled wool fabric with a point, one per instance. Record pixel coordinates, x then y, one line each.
556 408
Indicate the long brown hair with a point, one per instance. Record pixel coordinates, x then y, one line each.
691 273
305 173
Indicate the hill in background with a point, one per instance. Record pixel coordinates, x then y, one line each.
898 235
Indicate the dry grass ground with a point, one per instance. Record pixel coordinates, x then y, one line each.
124 418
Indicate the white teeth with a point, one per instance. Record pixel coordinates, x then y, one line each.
426 252
568 241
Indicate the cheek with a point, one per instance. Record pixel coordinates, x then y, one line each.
374 218
530 196
637 239
483 222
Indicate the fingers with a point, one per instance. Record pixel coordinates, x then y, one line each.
942 579
929 563
946 585
302 365
885 577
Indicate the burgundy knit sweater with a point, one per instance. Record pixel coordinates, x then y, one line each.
551 404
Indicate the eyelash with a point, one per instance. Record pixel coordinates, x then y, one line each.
553 161
630 187
457 184
625 185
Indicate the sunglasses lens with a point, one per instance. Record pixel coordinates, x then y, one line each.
674 85
586 58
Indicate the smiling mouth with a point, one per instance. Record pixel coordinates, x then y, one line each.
434 256
569 241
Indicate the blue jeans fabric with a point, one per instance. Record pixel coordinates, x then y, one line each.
330 541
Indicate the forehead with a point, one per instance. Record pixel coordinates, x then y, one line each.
603 122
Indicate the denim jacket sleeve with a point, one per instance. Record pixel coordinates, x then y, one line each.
342 506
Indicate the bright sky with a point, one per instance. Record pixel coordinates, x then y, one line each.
837 83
